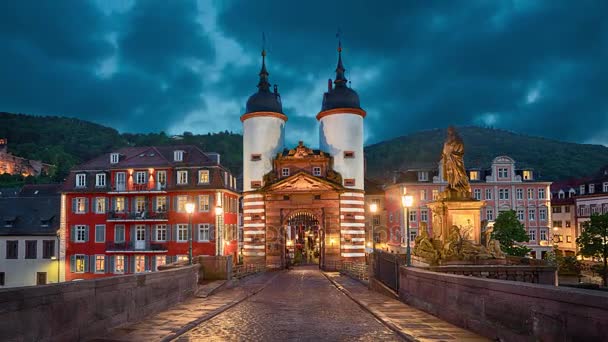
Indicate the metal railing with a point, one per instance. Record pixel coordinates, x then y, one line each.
386 268
135 215
130 246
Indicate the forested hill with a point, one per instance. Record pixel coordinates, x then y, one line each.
551 159
66 142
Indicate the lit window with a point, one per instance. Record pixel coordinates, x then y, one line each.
161 204
178 156
160 261
203 232
203 203
203 176
114 158
100 205
182 177
100 180
181 204
161 179
140 263
568 224
568 238
423 195
140 177
119 264
423 176
161 232
140 204
503 172
100 264
435 195
316 171
182 258
474 175
80 233
527 175
79 263
79 205
182 232
376 220
119 204
81 180
285 172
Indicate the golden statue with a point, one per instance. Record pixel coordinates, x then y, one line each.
453 167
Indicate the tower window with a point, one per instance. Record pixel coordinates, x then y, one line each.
256 184
316 171
349 154
285 172
256 157
349 182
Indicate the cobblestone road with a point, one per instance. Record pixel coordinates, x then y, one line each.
299 305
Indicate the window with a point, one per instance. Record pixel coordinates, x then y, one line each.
81 180
527 175
161 232
161 179
582 189
256 184
79 263
605 187
474 175
503 194
285 172
161 204
100 205
591 188
203 232
477 194
140 177
181 203
100 264
119 204
182 232
30 249
376 220
541 193
519 194
119 264
532 235
556 209
140 263
178 156
561 194
316 171
503 172
349 182
520 214
349 154
182 177
490 214
160 261
567 209
182 258
530 194
203 203
423 176
542 214
80 234
203 177
100 180
413 216
2 279
100 233
568 238
423 195
256 157
531 214
424 215
12 249
114 158
435 195
390 217
568 224
48 249
140 204
543 235
557 224
120 181
119 233
488 194
413 235
80 205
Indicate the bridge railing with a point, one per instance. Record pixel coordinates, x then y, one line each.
357 270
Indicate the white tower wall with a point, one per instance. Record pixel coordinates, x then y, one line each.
343 132
263 135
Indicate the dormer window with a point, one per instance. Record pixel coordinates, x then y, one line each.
527 175
81 180
349 154
114 158
203 177
423 176
100 180
474 175
503 172
591 188
178 155
582 189
605 187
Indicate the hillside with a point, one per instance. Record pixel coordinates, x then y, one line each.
551 159
66 142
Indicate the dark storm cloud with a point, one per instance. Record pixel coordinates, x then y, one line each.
532 67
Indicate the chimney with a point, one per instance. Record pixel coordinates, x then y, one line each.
329 85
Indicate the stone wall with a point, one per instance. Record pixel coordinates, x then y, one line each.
510 311
546 275
83 309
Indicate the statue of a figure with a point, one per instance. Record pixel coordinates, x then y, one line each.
453 166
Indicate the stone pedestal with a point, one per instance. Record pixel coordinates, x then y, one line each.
461 213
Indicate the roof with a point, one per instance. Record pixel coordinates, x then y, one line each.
29 215
40 189
372 187
340 96
264 100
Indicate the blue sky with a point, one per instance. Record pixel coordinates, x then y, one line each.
533 67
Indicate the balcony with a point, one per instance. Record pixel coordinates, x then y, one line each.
132 216
120 188
137 246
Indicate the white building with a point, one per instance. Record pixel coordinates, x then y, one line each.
28 237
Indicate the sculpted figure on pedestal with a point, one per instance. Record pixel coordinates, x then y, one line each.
452 161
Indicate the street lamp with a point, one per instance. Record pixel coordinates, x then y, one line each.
219 246
407 201
190 210
373 208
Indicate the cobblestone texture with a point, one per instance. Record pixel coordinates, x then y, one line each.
299 305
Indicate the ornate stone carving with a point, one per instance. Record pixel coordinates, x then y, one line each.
452 161
334 176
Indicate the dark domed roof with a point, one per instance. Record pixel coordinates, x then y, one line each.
264 100
340 96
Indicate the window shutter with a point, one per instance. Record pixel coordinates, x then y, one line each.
174 232
132 236
113 203
148 233
86 233
72 233
86 205
86 263
107 203
92 263
167 203
211 232
153 262
167 259
133 264
110 264
72 263
152 233
74 205
147 262
196 232
211 202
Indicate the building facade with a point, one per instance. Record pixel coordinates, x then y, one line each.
300 202
501 186
126 211
28 237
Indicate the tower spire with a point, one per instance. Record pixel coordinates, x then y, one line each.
340 78
263 85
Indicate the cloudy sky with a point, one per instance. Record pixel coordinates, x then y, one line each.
534 67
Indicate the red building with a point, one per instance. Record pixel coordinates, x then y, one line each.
125 211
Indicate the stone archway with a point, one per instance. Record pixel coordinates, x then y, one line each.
303 235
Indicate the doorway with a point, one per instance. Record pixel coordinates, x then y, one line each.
303 236
40 278
140 237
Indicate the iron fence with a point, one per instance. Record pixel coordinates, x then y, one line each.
386 268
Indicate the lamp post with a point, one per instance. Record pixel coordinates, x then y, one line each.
219 246
407 201
190 210
373 208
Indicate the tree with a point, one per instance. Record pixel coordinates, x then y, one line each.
593 241
510 232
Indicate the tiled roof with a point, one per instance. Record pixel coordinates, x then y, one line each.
29 215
